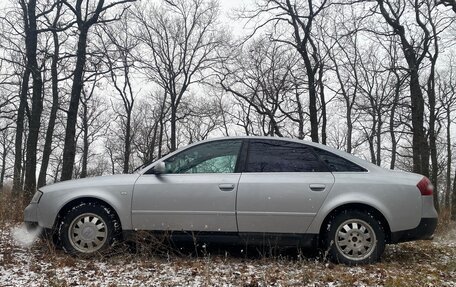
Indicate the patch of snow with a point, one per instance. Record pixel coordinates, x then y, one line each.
25 237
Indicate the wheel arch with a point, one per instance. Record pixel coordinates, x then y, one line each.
87 199
360 207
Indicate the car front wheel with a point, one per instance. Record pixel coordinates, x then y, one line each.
88 228
354 237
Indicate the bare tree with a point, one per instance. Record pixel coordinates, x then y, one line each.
91 123
399 78
410 22
24 86
6 147
263 79
54 28
30 17
300 17
147 132
182 40
204 117
377 89
345 60
446 96
33 17
87 15
118 50
448 3
414 57
433 22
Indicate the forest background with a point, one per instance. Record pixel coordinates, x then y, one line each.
94 87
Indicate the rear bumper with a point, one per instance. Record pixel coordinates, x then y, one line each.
424 231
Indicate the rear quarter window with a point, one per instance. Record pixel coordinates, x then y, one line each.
337 163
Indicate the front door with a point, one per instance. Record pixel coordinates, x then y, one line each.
197 191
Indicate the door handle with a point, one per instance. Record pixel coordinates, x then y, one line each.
226 186
317 187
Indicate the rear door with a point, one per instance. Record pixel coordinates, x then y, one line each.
282 187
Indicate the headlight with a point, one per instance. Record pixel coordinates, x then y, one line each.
36 197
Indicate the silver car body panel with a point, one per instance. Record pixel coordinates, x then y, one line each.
264 203
115 190
189 202
393 194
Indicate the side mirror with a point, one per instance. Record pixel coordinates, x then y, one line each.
160 168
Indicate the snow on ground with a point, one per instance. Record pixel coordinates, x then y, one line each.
422 263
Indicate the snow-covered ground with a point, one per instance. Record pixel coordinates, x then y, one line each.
25 261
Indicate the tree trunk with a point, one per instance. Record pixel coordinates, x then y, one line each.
173 128
419 142
3 169
17 173
85 154
370 140
453 199
53 115
349 124
371 136
126 164
113 162
323 105
23 168
85 139
379 137
160 138
151 148
448 171
432 134
57 170
312 96
397 92
69 149
31 42
301 133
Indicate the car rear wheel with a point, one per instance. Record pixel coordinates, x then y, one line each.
354 237
88 228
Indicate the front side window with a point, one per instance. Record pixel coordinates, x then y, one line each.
213 157
281 156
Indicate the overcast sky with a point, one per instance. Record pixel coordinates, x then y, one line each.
227 7
227 4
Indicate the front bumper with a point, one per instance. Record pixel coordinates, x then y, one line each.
31 215
424 231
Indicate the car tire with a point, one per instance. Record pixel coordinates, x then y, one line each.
354 237
88 228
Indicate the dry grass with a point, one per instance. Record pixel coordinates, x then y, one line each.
444 222
421 263
12 206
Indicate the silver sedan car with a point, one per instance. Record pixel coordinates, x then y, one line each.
245 189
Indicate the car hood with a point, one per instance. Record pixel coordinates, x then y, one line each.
108 180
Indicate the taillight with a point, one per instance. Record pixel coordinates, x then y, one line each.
425 186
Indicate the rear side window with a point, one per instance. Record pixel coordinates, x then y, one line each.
337 163
281 156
